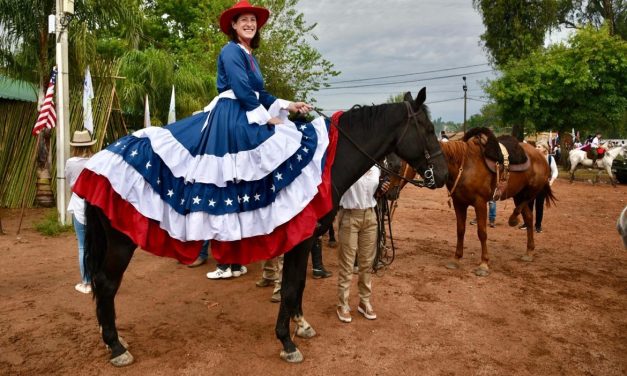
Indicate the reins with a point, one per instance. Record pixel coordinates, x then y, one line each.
382 259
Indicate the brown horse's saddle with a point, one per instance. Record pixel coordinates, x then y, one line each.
512 167
514 159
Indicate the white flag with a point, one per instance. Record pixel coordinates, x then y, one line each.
550 141
147 113
88 95
172 112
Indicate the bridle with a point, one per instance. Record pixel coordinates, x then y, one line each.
429 179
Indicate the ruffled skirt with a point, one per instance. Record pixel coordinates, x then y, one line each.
213 176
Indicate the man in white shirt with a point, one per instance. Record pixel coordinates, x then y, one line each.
357 236
594 146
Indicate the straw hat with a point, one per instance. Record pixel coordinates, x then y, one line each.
241 7
82 138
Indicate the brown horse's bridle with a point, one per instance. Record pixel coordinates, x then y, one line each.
428 181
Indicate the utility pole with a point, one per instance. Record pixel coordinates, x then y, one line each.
65 10
465 98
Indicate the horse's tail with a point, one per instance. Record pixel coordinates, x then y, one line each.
549 196
95 242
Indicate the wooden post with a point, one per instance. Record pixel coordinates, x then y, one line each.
29 182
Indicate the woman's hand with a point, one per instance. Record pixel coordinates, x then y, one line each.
275 121
301 107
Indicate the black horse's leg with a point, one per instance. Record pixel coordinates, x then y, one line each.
303 328
460 214
292 287
482 216
106 282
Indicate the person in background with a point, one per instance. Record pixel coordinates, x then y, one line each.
318 268
332 242
81 152
491 214
539 200
227 271
443 137
558 153
272 275
273 271
202 256
357 235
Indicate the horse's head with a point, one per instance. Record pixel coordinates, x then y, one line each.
396 164
418 144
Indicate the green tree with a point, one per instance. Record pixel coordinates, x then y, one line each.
515 28
26 46
582 85
185 34
292 68
489 117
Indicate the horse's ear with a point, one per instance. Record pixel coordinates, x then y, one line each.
407 97
422 97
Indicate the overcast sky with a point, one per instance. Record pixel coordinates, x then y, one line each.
373 38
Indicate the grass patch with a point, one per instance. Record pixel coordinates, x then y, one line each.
50 225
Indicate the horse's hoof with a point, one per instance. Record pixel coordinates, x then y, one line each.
527 258
293 357
122 342
513 221
482 272
306 332
452 265
123 360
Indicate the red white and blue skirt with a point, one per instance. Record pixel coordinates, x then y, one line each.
254 191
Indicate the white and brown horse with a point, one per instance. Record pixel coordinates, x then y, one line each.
579 158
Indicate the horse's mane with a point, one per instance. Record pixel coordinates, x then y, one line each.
454 151
371 115
368 116
491 148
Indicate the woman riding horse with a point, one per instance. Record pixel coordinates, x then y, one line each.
241 175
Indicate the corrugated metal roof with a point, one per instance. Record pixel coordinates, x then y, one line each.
17 90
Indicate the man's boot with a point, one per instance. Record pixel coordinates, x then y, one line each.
316 259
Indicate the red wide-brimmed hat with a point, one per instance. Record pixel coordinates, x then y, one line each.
242 6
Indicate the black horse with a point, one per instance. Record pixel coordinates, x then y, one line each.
365 134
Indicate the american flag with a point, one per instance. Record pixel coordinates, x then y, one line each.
47 115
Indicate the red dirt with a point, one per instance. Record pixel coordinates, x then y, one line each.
565 313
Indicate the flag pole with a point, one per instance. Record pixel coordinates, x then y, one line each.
63 109
29 182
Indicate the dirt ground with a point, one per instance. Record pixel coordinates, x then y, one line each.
563 314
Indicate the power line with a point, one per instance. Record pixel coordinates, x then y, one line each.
409 74
427 103
396 92
478 100
406 81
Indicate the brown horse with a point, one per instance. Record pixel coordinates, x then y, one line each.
471 183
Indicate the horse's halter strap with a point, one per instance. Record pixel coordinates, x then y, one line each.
428 172
459 175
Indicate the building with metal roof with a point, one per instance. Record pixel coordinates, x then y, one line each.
16 90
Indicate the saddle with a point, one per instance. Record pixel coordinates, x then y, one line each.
514 159
600 153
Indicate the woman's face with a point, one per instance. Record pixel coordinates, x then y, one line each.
542 150
246 27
